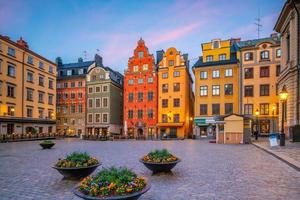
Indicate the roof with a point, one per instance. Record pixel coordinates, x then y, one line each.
76 65
199 63
253 43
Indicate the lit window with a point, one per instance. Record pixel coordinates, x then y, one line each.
145 67
215 90
203 90
228 72
216 74
135 68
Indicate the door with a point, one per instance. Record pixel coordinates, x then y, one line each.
173 132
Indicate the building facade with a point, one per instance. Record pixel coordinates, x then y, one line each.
175 95
140 94
288 26
217 80
71 97
260 61
104 116
27 90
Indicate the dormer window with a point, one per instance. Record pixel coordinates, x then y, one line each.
209 58
216 44
171 62
141 54
264 55
222 57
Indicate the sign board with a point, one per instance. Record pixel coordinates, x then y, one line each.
273 140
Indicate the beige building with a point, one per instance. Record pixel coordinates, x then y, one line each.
260 61
27 89
288 26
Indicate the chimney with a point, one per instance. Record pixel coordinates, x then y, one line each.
58 61
98 60
275 36
186 59
159 56
22 43
80 60
237 40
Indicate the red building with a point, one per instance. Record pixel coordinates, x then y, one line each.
140 94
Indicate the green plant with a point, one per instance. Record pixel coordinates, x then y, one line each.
160 156
47 142
77 159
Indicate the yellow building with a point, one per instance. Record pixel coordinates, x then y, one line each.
216 84
27 89
175 96
260 61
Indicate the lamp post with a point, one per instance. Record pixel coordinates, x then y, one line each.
257 127
283 97
273 119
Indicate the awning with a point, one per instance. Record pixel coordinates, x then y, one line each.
170 124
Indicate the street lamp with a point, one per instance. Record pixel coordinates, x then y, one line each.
273 119
257 127
283 97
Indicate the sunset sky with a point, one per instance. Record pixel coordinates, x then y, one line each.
68 28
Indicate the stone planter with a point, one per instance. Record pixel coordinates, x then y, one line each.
47 145
132 196
76 172
160 167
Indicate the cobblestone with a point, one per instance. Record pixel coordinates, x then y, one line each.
207 171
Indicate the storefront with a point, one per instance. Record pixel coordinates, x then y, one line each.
205 127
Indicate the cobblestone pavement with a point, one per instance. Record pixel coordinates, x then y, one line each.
207 171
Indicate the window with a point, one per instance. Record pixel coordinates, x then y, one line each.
203 109
222 57
140 114
264 108
228 72
215 90
72 84
29 94
130 114
41 113
216 44
176 102
248 109
0 66
264 71
278 70
97 118
50 70
145 67
165 75
104 88
130 82
164 103
176 87
66 85
216 73
150 79
90 90
264 55
41 81
203 90
41 65
278 53
98 103
11 70
228 89
215 109
90 118
249 91
130 97
248 73
79 95
171 62
264 90
164 88
80 84
11 110
69 72
105 102
0 88
80 110
65 96
10 91
228 108
101 76
150 114
41 97
73 108
176 73
288 48
30 77
150 96
97 89
164 118
176 118
29 112
141 54
209 58
140 81
50 84
135 68
203 75
90 103
248 56
11 52
140 96
30 60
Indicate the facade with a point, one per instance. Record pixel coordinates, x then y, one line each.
175 95
104 114
260 61
217 80
71 97
140 94
27 90
288 26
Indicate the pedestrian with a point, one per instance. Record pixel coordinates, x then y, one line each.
256 134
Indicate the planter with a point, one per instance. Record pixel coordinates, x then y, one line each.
132 196
160 167
47 145
76 172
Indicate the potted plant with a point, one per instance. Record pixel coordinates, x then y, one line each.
47 144
76 165
160 161
112 184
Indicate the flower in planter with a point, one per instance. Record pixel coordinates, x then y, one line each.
112 182
77 159
159 156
